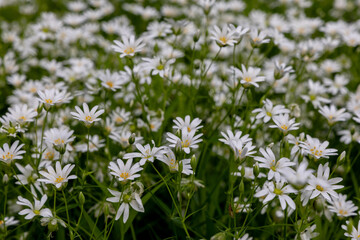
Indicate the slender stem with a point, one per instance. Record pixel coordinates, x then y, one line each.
248 59
54 202
88 147
42 137
78 222
174 202
66 208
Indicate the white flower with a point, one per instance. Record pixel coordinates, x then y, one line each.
36 209
168 157
8 221
126 199
87 116
258 37
296 141
316 90
125 172
333 115
342 207
186 123
248 76
223 37
28 175
8 154
243 150
58 137
157 65
128 46
321 184
315 148
268 111
300 176
109 80
276 167
231 138
272 190
146 153
58 177
284 124
355 233
51 97
188 140
21 114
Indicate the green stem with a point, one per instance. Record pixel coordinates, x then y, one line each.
174 202
55 201
42 137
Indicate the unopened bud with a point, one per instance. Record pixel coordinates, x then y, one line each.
242 171
40 108
5 179
106 210
81 198
132 138
241 186
256 170
181 167
196 36
341 157
193 162
53 225
219 236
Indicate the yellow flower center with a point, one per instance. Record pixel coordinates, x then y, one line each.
172 164
129 50
1 222
37 212
49 101
33 90
110 84
8 156
49 155
319 188
189 129
223 39
59 141
59 179
124 175
22 118
185 144
88 118
247 79
284 127
343 212
119 120
160 67
269 114
278 191
256 39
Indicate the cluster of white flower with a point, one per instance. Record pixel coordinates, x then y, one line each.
135 96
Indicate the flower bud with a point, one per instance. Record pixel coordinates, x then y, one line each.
81 198
181 167
106 210
341 158
5 179
53 225
241 186
40 108
256 170
132 138
193 162
242 171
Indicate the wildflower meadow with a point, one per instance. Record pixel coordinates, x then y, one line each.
179 119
